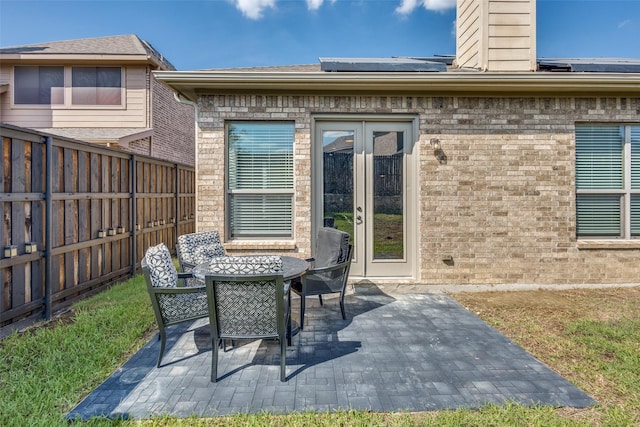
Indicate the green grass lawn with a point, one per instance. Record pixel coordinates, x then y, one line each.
47 370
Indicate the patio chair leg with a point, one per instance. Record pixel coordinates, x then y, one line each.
289 319
283 360
162 336
320 298
302 299
214 360
344 316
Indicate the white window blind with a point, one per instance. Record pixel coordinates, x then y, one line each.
599 151
635 181
607 181
260 179
598 215
635 157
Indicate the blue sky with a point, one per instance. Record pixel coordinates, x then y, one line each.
201 34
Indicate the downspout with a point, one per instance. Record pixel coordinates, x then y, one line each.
183 100
150 112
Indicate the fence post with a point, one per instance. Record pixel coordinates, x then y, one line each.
48 227
134 216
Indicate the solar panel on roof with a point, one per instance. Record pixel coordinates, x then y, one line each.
381 65
590 65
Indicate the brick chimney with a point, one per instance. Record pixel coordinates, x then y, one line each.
496 35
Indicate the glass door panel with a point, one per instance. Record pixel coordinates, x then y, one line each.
388 195
337 171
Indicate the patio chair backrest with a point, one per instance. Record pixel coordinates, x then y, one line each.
236 265
162 272
246 296
332 247
197 248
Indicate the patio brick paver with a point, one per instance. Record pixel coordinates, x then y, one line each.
414 352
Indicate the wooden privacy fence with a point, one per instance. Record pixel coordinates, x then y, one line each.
387 174
76 217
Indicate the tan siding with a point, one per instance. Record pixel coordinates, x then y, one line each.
496 35
509 31
508 19
509 7
509 43
508 65
468 34
511 40
508 55
133 114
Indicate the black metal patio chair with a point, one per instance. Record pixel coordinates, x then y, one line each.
172 302
330 270
248 299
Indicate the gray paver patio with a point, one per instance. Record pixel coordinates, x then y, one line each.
413 352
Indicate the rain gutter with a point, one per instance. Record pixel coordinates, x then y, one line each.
191 83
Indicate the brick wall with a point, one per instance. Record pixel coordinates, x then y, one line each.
173 127
502 203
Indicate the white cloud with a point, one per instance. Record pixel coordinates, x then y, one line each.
253 9
314 4
407 6
624 23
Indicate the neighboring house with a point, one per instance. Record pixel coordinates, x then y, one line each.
99 90
493 167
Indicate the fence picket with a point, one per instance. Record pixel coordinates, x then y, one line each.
92 189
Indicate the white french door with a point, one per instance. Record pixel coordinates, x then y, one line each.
365 184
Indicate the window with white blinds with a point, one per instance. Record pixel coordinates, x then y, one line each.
260 179
608 181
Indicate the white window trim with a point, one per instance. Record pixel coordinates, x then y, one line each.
68 105
243 242
625 205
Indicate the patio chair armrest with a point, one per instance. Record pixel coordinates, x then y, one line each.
180 289
328 269
188 280
186 266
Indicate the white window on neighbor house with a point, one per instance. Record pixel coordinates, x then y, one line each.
260 179
608 181
96 86
35 85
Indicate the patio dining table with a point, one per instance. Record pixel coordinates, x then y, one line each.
292 267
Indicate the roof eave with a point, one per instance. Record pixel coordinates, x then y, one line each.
192 83
57 58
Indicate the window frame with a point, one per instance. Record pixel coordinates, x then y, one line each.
95 67
67 90
38 105
625 193
230 193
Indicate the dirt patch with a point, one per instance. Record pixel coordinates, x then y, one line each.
541 322
596 304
